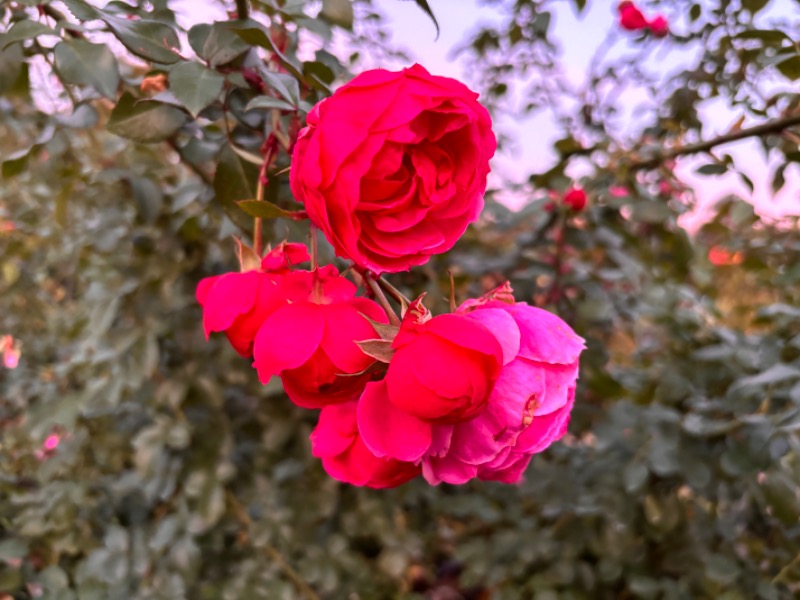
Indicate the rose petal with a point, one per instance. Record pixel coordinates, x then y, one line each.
287 339
388 431
546 337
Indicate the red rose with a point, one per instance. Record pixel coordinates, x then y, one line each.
630 17
393 166
311 343
238 303
345 456
442 372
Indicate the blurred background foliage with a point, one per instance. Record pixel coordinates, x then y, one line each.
138 461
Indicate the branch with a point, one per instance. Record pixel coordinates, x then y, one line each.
240 514
757 131
242 9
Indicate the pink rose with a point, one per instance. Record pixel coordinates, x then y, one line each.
630 17
659 26
442 372
575 198
392 167
530 404
345 456
238 303
311 343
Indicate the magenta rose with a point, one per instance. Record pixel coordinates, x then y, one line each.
393 166
345 457
442 372
530 404
310 342
238 303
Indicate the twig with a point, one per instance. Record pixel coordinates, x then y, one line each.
765 128
240 514
381 298
242 9
396 294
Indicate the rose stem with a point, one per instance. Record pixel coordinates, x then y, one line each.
258 243
452 292
393 292
381 298
314 247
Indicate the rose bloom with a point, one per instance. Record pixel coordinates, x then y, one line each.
393 166
238 303
442 372
345 457
630 17
530 405
311 342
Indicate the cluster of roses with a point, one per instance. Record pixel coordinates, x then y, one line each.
392 168
632 19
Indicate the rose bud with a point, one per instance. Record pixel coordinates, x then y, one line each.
659 26
630 17
393 166
345 457
575 198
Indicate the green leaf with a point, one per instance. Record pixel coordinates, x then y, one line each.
790 67
234 180
338 12
712 169
780 493
195 86
285 85
146 39
264 210
25 30
268 102
754 5
82 10
83 117
12 64
150 40
148 197
423 4
83 63
216 43
777 373
648 211
771 36
145 121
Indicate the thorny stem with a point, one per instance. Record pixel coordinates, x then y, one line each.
381 298
240 514
552 293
